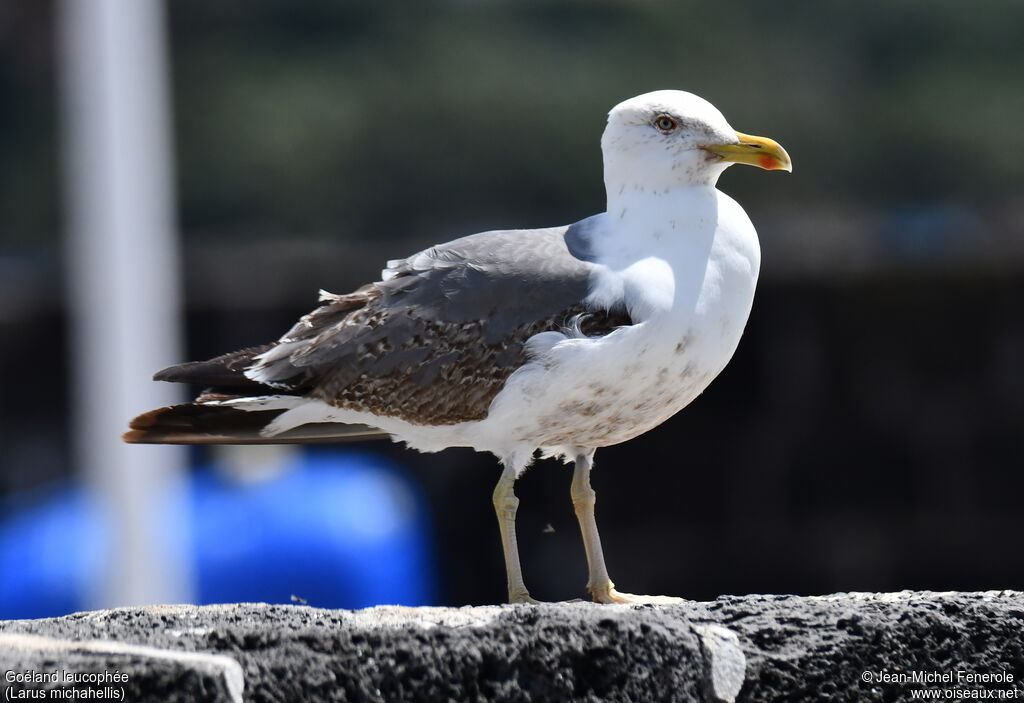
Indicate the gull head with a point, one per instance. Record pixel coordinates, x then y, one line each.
668 138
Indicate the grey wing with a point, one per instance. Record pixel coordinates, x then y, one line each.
435 340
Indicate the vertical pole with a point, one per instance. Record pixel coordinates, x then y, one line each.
123 270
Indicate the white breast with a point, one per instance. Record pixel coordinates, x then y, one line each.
686 271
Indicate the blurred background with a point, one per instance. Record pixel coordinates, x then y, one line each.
178 181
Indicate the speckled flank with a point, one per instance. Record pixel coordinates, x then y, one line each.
605 410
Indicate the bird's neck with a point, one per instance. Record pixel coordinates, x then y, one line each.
639 207
626 177
624 193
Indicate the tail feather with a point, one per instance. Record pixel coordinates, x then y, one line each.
195 423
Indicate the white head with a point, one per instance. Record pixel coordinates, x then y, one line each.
669 138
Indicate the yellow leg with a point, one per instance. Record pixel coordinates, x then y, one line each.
600 586
505 505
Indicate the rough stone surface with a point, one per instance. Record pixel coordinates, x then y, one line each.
751 648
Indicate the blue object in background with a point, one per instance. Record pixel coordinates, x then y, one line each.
336 529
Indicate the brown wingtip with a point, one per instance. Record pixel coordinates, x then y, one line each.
141 427
158 436
134 437
147 420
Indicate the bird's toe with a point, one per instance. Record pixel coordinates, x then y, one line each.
522 597
608 594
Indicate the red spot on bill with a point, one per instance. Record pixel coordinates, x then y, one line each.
768 162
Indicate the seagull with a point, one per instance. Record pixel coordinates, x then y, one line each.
558 341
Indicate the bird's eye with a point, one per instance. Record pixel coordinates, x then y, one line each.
665 123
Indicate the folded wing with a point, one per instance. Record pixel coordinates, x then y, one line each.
432 343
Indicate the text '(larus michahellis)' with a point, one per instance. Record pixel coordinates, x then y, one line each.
514 342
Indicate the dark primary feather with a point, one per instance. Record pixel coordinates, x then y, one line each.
224 371
433 344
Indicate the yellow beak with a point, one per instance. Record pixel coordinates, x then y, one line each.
755 151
